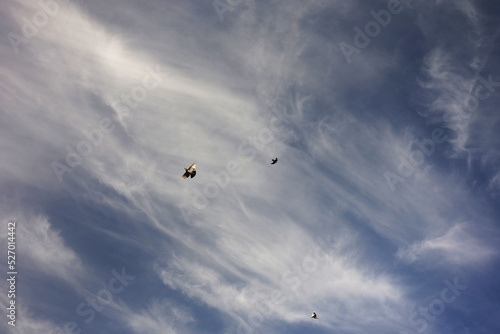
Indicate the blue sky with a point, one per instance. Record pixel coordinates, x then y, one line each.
381 215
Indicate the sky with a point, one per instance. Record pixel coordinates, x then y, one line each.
381 215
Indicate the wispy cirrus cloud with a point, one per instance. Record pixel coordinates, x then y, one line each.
41 247
457 245
266 235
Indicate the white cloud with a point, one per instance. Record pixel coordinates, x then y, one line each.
454 104
234 254
26 322
457 246
160 316
42 247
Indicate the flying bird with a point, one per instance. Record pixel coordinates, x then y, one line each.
191 171
314 316
274 161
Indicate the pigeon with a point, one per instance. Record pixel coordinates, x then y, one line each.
314 316
274 161
191 171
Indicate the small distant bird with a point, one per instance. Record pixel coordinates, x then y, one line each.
274 161
191 171
314 316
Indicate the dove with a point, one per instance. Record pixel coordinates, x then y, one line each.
191 171
274 161
314 316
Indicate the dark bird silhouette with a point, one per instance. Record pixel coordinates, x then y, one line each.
191 171
274 161
314 316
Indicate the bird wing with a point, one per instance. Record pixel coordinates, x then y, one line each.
193 174
186 175
192 168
